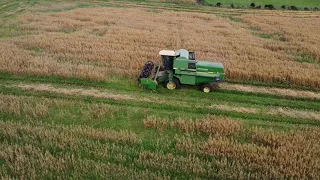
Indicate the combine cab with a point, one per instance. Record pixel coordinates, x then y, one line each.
180 67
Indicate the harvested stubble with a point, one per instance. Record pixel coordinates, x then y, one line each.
92 92
52 6
270 90
75 91
295 113
234 108
38 108
280 111
152 122
97 42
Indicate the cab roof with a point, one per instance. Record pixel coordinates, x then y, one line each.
167 53
180 52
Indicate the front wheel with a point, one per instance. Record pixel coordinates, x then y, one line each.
175 84
206 88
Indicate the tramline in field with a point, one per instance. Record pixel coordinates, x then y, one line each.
181 67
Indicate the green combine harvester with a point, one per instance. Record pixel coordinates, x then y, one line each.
180 67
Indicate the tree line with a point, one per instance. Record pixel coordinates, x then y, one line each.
254 6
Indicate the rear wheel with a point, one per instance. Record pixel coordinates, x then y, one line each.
206 88
175 84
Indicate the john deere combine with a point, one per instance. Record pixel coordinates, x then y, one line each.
180 67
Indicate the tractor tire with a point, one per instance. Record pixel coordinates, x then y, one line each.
147 70
206 88
174 85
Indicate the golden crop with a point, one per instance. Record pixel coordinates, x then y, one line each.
265 153
232 151
97 43
42 148
43 137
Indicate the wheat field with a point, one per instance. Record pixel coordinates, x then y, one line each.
96 43
70 106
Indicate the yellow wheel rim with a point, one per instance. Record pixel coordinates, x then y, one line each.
171 86
206 89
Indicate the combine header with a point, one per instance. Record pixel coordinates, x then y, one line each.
180 67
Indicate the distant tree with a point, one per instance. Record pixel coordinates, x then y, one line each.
218 4
293 8
252 5
316 9
283 7
258 7
269 6
232 5
306 9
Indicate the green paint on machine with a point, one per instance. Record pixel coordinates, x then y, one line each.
180 67
148 83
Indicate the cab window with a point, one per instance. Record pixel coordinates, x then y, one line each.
192 66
